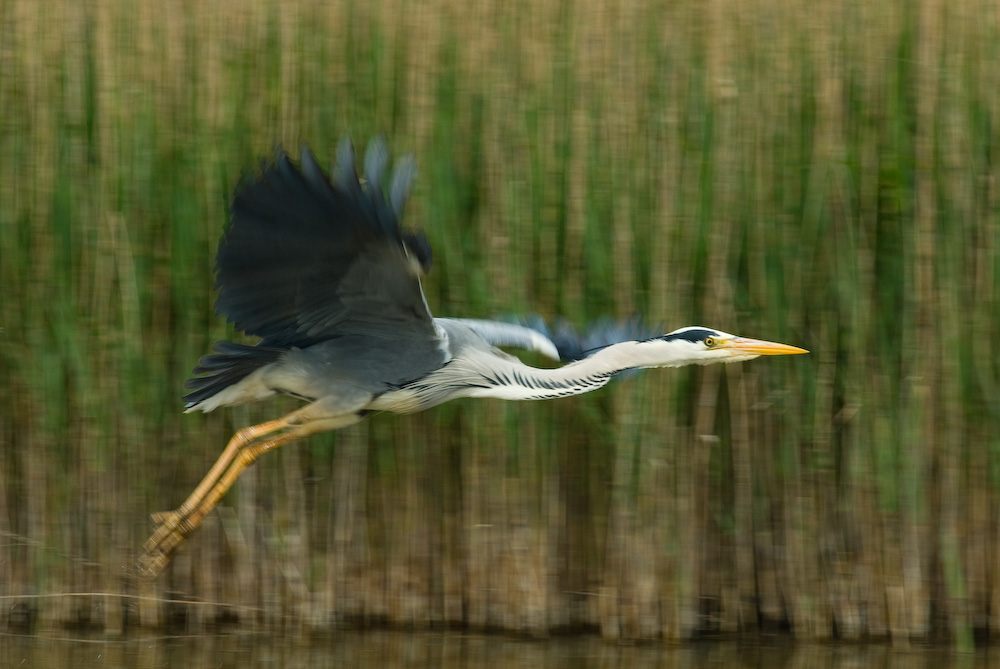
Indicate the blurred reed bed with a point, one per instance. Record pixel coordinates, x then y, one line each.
825 176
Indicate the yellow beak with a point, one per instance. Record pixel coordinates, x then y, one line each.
759 347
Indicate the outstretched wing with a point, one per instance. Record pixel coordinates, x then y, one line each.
573 345
306 258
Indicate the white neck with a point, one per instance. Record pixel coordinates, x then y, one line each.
511 379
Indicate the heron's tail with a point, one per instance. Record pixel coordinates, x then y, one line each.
230 364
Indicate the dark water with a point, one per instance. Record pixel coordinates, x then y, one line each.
454 651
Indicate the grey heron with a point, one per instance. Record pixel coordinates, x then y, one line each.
320 270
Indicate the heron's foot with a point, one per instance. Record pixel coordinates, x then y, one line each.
172 528
151 563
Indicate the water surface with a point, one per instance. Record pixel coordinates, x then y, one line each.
452 650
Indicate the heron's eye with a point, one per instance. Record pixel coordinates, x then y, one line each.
710 342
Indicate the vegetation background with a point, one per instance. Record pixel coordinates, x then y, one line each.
820 174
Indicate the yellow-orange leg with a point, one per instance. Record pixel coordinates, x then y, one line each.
242 451
240 440
174 526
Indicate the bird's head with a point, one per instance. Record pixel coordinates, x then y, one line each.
698 345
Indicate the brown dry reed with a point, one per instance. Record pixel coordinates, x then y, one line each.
824 175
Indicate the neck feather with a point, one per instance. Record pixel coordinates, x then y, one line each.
513 380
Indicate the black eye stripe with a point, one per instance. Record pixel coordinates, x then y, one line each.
696 335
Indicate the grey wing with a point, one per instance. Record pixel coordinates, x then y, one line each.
306 258
577 345
498 333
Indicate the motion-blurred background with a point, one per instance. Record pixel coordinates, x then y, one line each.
822 174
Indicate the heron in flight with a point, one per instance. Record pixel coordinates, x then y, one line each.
319 268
